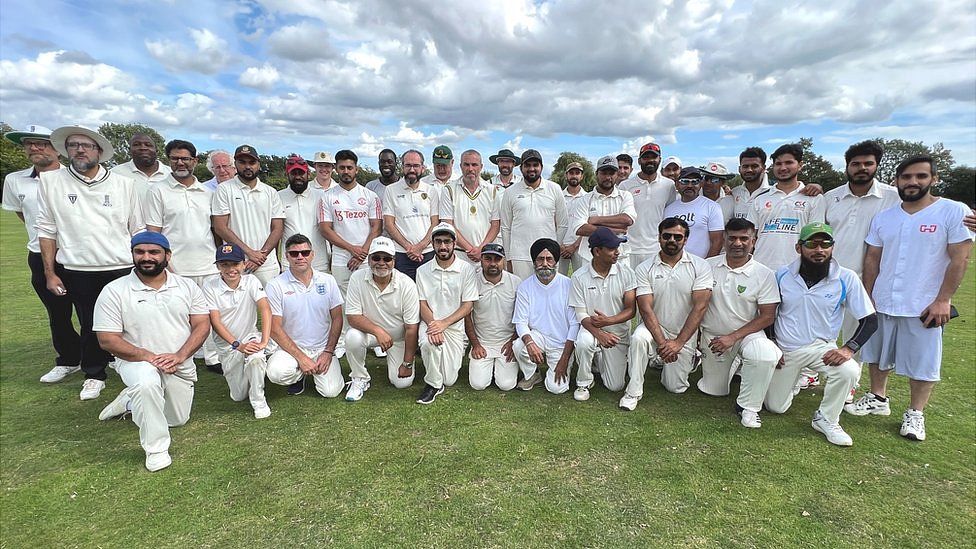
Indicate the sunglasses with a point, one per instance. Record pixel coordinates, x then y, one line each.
296 253
689 181
381 258
814 244
672 236
293 162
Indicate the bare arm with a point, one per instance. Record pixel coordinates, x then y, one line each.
645 304
49 253
937 312
113 343
277 229
872 266
221 226
715 239
699 300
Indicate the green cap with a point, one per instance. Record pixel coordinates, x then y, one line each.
812 229
443 154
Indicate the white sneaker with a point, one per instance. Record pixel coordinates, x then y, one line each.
118 407
628 402
261 411
91 388
58 373
805 382
833 431
913 425
869 403
581 394
750 419
157 461
357 386
379 352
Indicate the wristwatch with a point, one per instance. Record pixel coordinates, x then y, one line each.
407 365
853 345
235 344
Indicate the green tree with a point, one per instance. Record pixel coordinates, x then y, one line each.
120 134
959 183
201 172
486 175
816 169
12 157
566 158
365 175
896 150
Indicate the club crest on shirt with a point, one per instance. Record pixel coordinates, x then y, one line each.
361 201
928 228
740 288
423 196
72 198
320 288
108 201
20 197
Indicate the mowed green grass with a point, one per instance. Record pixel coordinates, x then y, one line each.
476 469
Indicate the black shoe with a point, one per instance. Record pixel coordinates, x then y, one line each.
216 368
297 388
429 394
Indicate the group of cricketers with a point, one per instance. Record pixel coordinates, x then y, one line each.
664 268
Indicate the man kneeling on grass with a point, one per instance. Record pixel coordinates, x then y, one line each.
152 321
234 299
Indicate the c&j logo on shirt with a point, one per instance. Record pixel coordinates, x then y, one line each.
20 197
320 288
928 228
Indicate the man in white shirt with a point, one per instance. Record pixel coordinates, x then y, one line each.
916 259
383 310
506 161
324 165
545 323
447 288
221 165
703 216
569 249
410 211
603 298
815 292
471 205
300 201
673 289
605 206
752 171
86 216
743 304
152 321
715 176
144 166
671 167
530 210
179 208
306 320
248 214
387 164
652 192
443 160
489 326
20 196
625 165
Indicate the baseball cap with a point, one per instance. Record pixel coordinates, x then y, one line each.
325 157
603 237
607 163
504 153
493 249
296 162
671 160
442 155
574 166
443 227
149 237
382 245
229 252
32 131
246 150
530 154
690 172
812 229
717 169
653 148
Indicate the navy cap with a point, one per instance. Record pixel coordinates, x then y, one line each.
493 249
230 252
603 237
148 237
690 172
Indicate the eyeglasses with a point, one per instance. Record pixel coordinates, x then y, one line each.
672 236
31 143
296 253
413 166
295 162
689 181
223 167
814 244
183 159
381 258
80 146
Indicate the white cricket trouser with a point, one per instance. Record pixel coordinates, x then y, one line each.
441 362
357 343
575 261
636 258
482 370
840 379
208 352
158 401
553 351
523 268
244 374
612 362
674 376
759 357
283 370
341 273
270 269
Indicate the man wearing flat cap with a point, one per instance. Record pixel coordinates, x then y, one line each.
489 326
153 321
85 218
506 161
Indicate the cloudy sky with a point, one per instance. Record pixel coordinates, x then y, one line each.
704 78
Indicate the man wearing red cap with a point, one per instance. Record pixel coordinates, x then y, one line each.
301 202
651 192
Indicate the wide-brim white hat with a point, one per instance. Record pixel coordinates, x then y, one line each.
30 132
61 134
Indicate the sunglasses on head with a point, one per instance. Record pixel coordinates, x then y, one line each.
295 162
814 244
673 236
296 253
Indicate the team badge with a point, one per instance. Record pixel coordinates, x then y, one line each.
423 196
72 198
361 201
107 202
320 288
415 210
20 197
928 228
740 288
226 249
474 210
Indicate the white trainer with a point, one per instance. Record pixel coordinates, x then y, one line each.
58 373
628 402
357 386
913 425
379 352
869 403
91 389
261 411
118 407
157 461
581 394
750 419
833 431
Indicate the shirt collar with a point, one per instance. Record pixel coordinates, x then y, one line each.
875 190
195 186
684 259
244 185
832 274
746 268
455 266
137 285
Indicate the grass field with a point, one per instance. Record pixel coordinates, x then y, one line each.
475 469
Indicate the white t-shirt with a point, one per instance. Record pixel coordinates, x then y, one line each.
251 210
445 288
737 295
743 199
914 256
650 199
302 216
492 313
850 216
350 212
471 213
183 214
703 216
238 307
305 311
395 306
20 195
545 309
530 214
411 210
592 292
672 287
778 217
596 204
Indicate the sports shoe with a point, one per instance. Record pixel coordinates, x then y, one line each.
851 395
58 373
215 368
750 419
91 388
118 407
628 402
869 403
833 431
582 394
379 352
296 388
157 461
261 411
529 383
429 394
913 425
357 387
806 382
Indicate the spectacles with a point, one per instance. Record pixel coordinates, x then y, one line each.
689 181
223 167
381 258
183 159
672 236
29 143
413 166
814 244
80 146
296 253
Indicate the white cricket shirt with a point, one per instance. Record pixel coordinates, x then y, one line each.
530 214
492 313
737 294
445 288
183 214
238 307
20 195
672 287
305 311
650 199
251 210
743 199
545 309
391 308
302 216
850 216
778 217
595 203
350 212
471 213
592 292
411 209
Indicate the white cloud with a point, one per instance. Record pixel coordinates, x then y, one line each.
209 55
261 78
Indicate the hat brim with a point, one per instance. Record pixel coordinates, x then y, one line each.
649 151
248 155
443 160
19 137
61 134
495 158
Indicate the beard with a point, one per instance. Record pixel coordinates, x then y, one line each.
531 179
82 165
346 178
247 174
545 274
923 192
298 187
380 271
182 173
151 268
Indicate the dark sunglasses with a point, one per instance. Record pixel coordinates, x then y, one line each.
689 181
381 258
814 244
672 236
296 253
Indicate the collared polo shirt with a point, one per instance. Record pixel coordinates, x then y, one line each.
471 213
703 216
350 212
302 216
20 195
145 182
672 287
390 308
250 210
778 217
592 292
743 199
238 307
737 294
598 204
850 216
183 214
305 311
650 199
545 309
411 209
445 288
529 214
492 313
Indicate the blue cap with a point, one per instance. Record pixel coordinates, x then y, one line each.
230 252
603 237
149 237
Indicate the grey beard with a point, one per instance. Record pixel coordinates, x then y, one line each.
82 166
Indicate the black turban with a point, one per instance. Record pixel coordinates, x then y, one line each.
544 244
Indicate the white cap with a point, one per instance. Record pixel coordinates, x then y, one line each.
323 157
443 227
717 168
382 244
671 160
